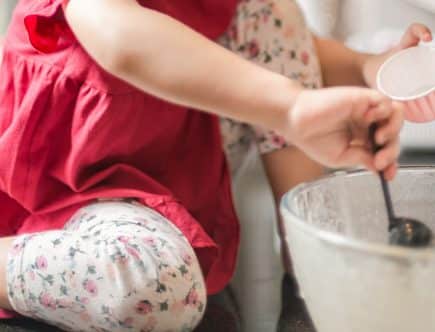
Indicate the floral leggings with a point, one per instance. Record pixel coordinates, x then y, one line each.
116 266
120 266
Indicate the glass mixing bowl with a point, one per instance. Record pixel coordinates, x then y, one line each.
350 277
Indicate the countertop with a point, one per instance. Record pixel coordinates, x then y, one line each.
221 315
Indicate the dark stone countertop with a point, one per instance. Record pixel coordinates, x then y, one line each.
221 315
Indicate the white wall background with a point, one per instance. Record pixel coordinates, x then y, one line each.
6 7
369 16
343 18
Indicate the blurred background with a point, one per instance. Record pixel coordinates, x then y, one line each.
366 25
6 7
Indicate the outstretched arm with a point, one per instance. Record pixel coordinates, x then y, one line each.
165 58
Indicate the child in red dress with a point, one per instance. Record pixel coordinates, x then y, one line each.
114 187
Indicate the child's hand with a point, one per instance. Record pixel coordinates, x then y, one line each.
331 125
415 34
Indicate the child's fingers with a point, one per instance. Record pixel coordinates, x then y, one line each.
391 171
415 34
380 112
368 105
390 129
388 155
389 117
422 32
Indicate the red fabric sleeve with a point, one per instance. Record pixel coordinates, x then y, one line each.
46 26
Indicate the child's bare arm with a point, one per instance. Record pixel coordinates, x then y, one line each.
166 58
161 56
340 65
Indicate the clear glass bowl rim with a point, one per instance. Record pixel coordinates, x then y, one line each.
291 219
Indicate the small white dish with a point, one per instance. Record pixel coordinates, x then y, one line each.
409 76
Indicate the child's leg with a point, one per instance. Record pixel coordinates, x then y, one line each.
5 246
117 266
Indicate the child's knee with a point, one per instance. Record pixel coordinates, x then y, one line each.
176 309
158 285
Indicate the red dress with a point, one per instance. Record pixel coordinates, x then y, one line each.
71 133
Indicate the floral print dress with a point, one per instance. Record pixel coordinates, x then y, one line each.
274 35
